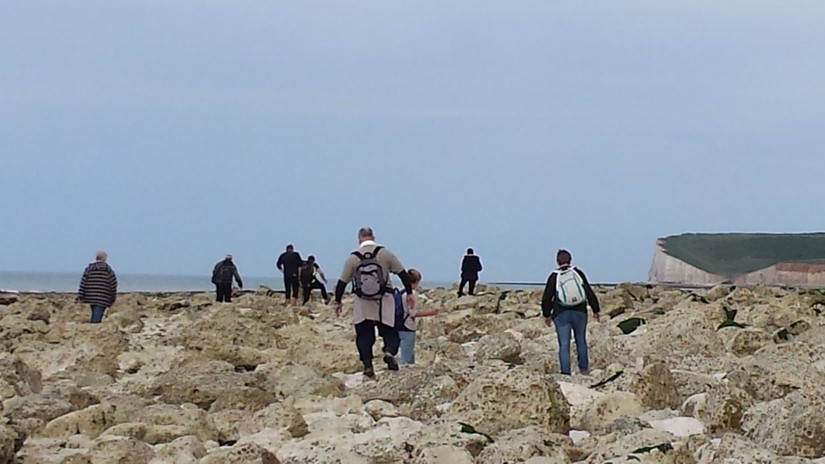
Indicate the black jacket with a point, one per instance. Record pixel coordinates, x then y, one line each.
551 308
290 262
223 273
470 267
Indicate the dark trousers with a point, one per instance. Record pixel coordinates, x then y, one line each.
308 288
97 313
464 281
291 286
365 338
224 292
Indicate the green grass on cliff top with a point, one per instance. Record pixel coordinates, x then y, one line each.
732 254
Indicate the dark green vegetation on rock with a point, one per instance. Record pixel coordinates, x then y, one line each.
732 254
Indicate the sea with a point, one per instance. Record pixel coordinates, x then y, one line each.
11 281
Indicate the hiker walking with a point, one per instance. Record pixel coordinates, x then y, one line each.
564 303
312 277
289 263
98 287
470 267
222 275
405 318
369 269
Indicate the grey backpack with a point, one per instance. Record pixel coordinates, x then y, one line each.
369 281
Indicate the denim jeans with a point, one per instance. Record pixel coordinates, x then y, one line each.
574 322
407 347
97 313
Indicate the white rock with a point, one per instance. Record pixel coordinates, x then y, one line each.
579 394
679 426
578 435
350 380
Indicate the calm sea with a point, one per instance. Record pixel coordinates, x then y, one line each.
68 282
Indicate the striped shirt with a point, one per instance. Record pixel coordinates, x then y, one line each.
98 287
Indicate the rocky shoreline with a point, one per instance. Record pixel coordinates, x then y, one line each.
720 375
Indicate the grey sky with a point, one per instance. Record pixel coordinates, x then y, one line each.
170 133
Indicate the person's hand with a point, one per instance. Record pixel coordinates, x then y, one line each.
597 316
410 300
548 321
337 308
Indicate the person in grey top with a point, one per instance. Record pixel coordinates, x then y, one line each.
369 268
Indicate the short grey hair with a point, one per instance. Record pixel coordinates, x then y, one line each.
366 232
101 256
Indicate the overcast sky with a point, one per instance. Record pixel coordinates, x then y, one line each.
172 132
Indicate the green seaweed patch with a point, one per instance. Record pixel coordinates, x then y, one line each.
663 447
731 323
628 326
467 428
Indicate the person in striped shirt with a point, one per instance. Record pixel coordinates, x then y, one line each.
98 287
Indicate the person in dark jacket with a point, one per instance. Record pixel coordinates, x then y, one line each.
98 287
312 277
564 303
470 267
290 264
222 276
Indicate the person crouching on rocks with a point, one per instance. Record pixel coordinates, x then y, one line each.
405 316
564 304
369 268
312 277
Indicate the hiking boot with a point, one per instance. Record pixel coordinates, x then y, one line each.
392 363
369 371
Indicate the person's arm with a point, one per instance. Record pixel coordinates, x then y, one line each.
426 312
346 277
112 286
464 264
592 300
398 269
405 280
280 263
321 273
81 290
480 268
340 288
215 273
237 276
548 299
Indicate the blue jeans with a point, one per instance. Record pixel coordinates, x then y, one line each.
97 313
576 322
407 347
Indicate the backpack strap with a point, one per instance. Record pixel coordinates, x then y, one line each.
370 255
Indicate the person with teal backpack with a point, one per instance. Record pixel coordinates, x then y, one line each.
564 304
405 319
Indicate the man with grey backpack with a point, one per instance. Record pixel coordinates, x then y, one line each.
564 304
369 268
